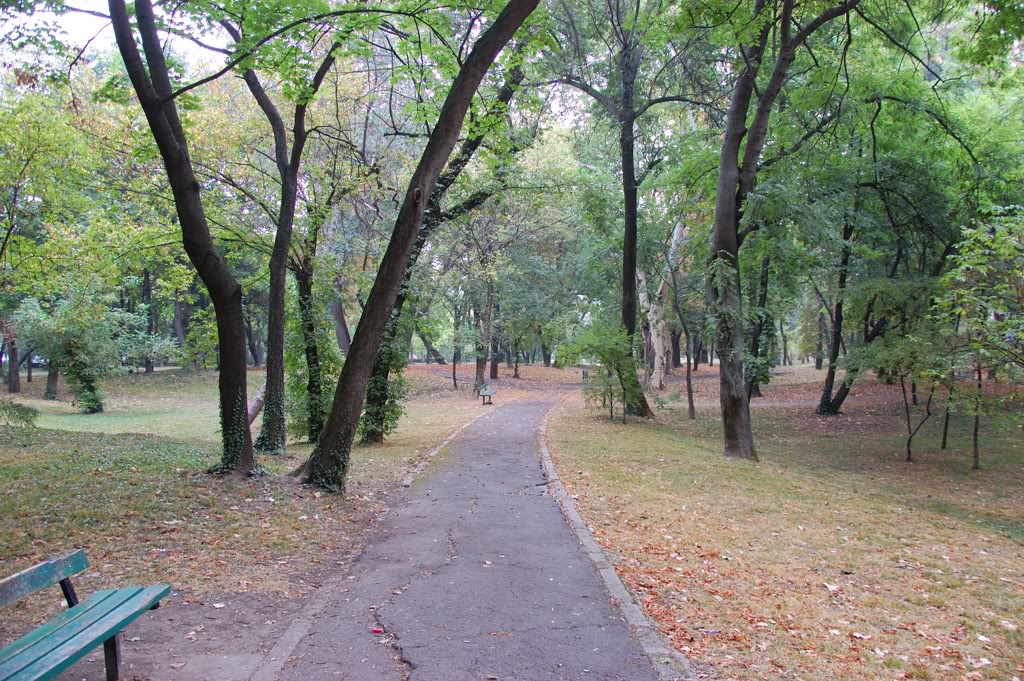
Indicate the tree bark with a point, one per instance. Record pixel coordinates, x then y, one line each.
179 320
341 332
314 380
254 347
147 299
753 388
636 403
975 449
432 353
256 406
13 366
52 378
152 85
273 433
328 465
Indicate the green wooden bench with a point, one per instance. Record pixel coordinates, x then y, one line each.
47 651
486 392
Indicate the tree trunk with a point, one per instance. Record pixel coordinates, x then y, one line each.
785 344
753 388
253 342
432 353
341 332
152 85
256 406
545 351
636 403
975 449
52 377
945 426
307 320
724 284
13 366
328 465
827 404
690 361
432 218
677 353
147 299
179 320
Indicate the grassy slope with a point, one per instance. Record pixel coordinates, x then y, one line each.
133 491
832 559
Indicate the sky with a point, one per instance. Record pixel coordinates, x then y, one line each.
80 28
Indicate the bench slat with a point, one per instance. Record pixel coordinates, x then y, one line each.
61 620
67 644
37 577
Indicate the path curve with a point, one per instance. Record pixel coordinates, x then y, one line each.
476 576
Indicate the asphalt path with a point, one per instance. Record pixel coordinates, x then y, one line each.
475 576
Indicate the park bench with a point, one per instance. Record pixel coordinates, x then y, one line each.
486 392
47 651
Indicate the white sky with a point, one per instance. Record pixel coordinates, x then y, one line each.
80 28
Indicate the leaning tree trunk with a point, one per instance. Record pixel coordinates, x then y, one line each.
341 332
152 84
329 463
432 352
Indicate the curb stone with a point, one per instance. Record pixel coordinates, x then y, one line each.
669 663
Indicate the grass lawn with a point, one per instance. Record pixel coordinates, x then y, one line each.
832 558
129 485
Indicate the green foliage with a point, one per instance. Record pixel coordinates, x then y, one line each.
297 408
17 415
82 335
983 293
604 343
200 347
380 418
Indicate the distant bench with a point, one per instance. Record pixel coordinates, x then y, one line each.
486 392
47 651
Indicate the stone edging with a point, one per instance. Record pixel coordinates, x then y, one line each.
669 663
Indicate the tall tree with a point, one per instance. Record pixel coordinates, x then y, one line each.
328 465
151 80
739 162
619 55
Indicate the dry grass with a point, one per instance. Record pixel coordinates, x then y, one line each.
134 493
831 559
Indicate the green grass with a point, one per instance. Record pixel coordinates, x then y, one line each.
172 403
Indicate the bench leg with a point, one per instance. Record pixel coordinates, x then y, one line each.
112 657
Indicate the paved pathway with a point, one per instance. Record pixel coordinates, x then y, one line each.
475 577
